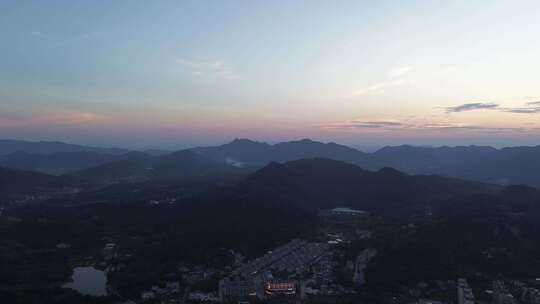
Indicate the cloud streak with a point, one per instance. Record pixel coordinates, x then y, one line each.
390 126
399 71
361 124
380 87
209 68
394 79
528 108
471 106
57 118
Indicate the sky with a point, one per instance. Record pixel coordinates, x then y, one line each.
171 74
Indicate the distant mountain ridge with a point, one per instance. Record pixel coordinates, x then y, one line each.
252 153
61 158
8 146
138 166
56 163
512 165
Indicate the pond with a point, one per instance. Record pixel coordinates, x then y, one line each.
88 281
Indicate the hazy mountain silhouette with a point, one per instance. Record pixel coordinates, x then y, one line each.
251 153
138 166
8 146
187 163
132 167
56 163
514 165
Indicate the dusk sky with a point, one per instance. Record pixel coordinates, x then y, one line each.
172 74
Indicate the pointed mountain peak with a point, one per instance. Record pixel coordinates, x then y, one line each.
245 142
242 140
390 171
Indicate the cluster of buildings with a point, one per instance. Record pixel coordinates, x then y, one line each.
109 251
464 292
278 273
344 225
362 260
256 286
291 257
520 293
197 273
531 295
202 297
172 291
170 288
501 294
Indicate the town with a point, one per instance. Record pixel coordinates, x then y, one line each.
311 271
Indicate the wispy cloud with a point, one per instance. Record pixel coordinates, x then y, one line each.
529 108
57 118
524 110
378 87
396 125
393 80
399 71
367 124
209 68
389 126
471 106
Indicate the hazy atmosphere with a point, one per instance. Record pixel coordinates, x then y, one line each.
269 152
184 73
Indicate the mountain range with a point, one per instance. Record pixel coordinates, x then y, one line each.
513 165
8 146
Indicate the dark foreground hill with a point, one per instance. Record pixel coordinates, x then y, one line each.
17 184
324 183
486 235
188 163
281 201
140 167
